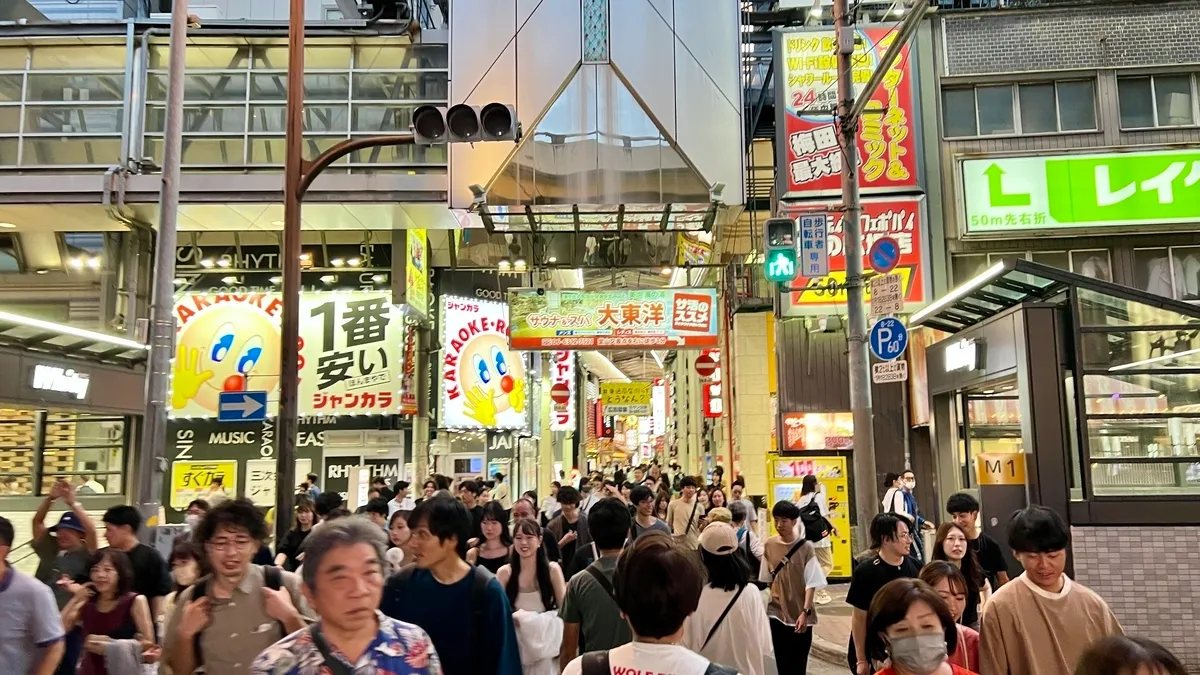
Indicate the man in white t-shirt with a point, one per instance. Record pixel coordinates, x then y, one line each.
657 585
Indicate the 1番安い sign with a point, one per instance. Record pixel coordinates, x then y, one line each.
1015 194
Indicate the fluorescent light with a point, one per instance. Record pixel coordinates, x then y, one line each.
94 262
77 263
223 262
337 262
354 262
8 226
1157 359
971 286
42 271
70 330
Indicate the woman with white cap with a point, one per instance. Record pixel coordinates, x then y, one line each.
730 626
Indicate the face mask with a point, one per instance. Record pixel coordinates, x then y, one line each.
920 653
192 520
185 575
910 484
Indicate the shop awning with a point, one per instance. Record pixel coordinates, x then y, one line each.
38 335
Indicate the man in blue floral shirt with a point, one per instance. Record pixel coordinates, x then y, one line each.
343 582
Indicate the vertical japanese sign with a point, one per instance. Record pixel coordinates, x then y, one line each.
416 273
714 405
562 374
483 383
408 373
814 254
806 82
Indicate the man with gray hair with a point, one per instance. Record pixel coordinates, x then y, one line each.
343 582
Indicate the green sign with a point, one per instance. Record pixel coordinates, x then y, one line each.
1157 187
780 265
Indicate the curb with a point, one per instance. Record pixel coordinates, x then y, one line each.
828 652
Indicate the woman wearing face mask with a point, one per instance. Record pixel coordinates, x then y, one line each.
951 585
187 563
910 626
535 588
195 513
286 556
399 541
107 609
953 548
493 550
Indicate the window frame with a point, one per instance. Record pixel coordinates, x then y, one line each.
1016 104
1195 105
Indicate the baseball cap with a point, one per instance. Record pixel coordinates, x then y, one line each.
718 539
68 521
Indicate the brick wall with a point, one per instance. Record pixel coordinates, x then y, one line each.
1115 35
1150 577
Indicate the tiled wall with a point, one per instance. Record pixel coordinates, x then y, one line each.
1150 576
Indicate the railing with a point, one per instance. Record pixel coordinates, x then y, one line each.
968 5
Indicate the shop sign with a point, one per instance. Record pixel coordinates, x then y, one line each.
714 406
416 273
818 431
660 318
350 351
408 373
1014 194
626 398
260 479
806 68
191 480
961 355
61 380
483 383
693 248
901 219
562 374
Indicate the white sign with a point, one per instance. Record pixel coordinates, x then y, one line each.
61 380
260 479
887 294
961 355
889 371
483 383
813 253
562 371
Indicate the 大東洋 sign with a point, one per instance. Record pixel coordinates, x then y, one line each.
661 318
626 398
806 76
1015 194
483 382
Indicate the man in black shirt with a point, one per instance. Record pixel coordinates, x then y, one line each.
964 509
468 493
150 575
890 536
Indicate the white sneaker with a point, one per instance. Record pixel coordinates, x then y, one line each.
822 598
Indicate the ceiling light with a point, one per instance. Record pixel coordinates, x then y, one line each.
8 226
354 262
519 265
337 262
551 260
180 282
223 262
231 280
329 278
667 271
379 278
42 271
77 263
207 262
94 262
305 257
816 12
899 10
504 265
988 392
70 330
277 280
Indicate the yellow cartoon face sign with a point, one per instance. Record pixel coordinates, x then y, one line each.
222 346
488 368
483 382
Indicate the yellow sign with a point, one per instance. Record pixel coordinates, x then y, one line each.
191 480
786 476
626 398
832 289
1000 469
417 273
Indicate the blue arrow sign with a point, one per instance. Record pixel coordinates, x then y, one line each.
889 339
242 406
884 255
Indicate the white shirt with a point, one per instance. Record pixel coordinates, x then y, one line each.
642 657
823 505
742 641
407 504
894 502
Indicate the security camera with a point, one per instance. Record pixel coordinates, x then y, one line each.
541 290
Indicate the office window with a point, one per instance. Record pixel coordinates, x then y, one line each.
1006 109
1093 263
1173 272
1156 101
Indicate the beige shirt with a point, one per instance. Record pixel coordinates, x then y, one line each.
679 514
1029 631
803 571
241 628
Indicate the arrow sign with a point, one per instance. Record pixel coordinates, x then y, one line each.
242 406
995 177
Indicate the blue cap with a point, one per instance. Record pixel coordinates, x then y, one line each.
69 521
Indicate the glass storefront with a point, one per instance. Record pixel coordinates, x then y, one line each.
87 450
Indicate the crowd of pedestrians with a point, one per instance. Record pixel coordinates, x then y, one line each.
625 572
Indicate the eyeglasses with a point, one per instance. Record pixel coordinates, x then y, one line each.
230 544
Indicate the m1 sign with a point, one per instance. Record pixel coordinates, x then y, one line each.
562 376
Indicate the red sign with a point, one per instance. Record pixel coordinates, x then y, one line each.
899 218
887 142
408 374
705 365
560 393
714 404
794 432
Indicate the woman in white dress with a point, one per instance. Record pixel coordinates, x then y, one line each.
535 588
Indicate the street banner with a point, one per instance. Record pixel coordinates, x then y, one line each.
806 85
416 273
627 398
662 318
351 346
483 382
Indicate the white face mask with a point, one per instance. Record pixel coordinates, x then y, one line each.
910 484
192 520
919 653
185 575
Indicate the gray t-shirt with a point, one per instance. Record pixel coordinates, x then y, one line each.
588 604
31 621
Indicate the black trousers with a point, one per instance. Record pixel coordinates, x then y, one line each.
791 648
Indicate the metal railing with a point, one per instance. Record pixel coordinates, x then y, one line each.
972 5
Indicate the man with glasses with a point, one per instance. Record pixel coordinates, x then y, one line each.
227 618
892 542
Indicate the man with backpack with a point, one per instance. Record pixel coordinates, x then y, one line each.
228 618
590 614
794 575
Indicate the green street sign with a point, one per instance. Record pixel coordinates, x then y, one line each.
780 265
1011 194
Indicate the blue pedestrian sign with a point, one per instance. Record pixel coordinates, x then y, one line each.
814 252
884 255
242 406
889 339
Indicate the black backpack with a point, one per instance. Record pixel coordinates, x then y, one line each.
272 579
816 527
479 619
596 663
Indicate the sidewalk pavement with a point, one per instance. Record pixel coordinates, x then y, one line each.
832 632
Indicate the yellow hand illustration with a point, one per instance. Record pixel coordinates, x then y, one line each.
516 397
480 406
187 378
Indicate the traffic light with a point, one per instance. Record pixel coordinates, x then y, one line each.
780 260
434 125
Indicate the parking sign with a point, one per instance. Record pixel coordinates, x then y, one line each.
889 339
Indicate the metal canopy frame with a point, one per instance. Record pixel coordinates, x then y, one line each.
589 218
30 338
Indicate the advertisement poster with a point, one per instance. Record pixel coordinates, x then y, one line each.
408 373
562 374
416 266
350 351
818 431
901 218
626 398
260 479
786 478
661 318
806 79
191 480
483 383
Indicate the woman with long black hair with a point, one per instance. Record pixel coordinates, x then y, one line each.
496 544
535 588
953 547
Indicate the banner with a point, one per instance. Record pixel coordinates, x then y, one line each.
350 351
191 480
901 218
416 266
806 81
662 318
562 374
483 383
261 482
408 373
626 398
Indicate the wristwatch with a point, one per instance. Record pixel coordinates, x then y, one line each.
808 611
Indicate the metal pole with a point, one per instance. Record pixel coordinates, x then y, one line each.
865 477
162 323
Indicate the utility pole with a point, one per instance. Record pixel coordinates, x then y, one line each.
162 320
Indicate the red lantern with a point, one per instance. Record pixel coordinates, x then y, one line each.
560 393
705 365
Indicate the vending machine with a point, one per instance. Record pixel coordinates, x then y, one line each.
785 481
